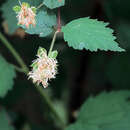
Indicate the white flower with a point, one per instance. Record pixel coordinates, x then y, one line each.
26 15
44 69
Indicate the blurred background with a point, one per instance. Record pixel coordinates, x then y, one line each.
80 73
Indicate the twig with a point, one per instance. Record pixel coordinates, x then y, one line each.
14 52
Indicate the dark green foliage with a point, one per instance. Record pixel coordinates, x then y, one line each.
7 75
107 111
81 73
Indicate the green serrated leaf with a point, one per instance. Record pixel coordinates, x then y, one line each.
7 74
90 34
53 54
5 121
44 24
16 8
54 3
107 111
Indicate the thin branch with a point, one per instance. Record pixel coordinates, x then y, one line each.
14 52
20 2
18 69
40 5
50 105
53 41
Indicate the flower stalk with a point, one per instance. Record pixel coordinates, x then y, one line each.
53 42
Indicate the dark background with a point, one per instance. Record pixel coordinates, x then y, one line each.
80 73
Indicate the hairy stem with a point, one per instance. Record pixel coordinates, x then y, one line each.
25 69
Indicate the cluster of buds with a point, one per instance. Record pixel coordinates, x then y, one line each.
44 67
25 14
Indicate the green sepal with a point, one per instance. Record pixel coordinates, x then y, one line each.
17 8
26 4
34 9
40 51
53 54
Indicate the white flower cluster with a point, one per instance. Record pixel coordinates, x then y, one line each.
26 16
44 69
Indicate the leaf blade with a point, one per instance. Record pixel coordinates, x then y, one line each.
54 3
90 34
108 111
6 77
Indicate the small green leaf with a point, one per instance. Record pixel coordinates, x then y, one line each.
53 54
17 8
26 4
54 3
90 34
40 50
7 74
34 9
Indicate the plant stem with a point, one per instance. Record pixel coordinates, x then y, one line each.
50 105
59 21
20 2
40 5
58 30
14 53
18 69
53 41
25 69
